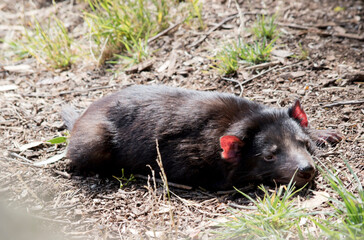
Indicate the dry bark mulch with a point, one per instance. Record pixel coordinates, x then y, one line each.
74 207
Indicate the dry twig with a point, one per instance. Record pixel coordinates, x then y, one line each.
234 205
63 174
319 32
259 75
152 39
69 92
235 81
217 26
212 30
24 163
176 185
360 101
262 65
13 154
246 188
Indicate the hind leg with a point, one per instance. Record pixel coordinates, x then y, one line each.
89 149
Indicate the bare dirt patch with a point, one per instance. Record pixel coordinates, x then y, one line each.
95 208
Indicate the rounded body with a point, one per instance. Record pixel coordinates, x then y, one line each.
120 131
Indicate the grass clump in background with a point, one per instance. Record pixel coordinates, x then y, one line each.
51 46
195 9
265 28
227 61
118 32
304 54
256 52
122 28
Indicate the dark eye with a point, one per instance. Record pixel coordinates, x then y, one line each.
307 144
270 158
304 142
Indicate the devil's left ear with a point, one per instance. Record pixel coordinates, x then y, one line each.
231 148
296 112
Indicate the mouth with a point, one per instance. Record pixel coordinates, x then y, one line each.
306 176
281 180
297 180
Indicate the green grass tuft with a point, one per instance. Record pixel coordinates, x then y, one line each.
227 61
51 46
275 216
123 180
122 28
265 28
259 51
304 54
196 12
256 52
278 217
349 209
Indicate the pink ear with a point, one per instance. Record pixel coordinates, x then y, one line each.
297 113
230 146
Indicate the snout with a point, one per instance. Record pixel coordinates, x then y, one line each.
305 167
298 165
304 175
301 175
307 172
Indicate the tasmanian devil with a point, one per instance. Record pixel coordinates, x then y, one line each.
209 139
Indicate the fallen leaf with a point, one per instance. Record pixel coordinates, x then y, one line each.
58 140
133 231
77 212
36 208
317 200
52 159
339 30
303 221
331 58
292 75
172 65
23 194
53 80
140 67
164 66
4 88
282 53
298 74
193 61
164 210
19 68
154 234
30 145
339 9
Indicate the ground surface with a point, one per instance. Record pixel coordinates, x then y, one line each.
94 208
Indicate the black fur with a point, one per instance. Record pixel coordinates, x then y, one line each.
120 130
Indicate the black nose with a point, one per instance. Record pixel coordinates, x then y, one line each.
306 172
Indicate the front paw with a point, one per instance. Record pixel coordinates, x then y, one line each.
327 136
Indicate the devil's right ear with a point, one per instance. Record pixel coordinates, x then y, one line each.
231 146
296 112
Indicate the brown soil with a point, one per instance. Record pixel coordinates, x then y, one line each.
95 208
